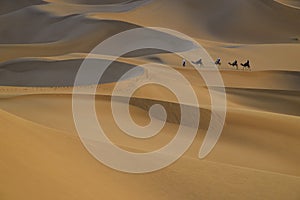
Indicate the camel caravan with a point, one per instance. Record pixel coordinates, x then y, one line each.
234 64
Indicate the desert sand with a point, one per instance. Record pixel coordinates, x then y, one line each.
42 45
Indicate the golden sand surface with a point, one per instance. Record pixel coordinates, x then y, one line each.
42 45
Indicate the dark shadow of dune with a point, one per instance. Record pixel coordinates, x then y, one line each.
173 111
7 6
37 73
97 2
67 7
275 101
31 26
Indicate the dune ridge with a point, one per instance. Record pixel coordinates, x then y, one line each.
234 21
290 3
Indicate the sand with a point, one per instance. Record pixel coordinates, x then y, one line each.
42 45
291 3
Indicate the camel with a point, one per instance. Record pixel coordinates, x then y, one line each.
218 61
234 64
246 65
183 62
199 62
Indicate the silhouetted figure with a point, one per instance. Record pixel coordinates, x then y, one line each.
218 61
234 64
246 65
199 62
183 62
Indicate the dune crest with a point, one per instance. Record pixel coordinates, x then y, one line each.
291 3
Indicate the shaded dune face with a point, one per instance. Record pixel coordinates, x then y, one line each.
30 26
58 73
233 21
267 100
91 2
255 22
244 21
7 6
64 8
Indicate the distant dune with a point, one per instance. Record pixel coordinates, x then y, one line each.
11 6
234 21
291 3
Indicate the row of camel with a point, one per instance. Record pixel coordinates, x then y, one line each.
235 64
244 65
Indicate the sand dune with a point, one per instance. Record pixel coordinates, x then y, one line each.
90 2
55 171
45 28
235 21
43 73
59 117
267 100
62 8
11 6
291 3
42 45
